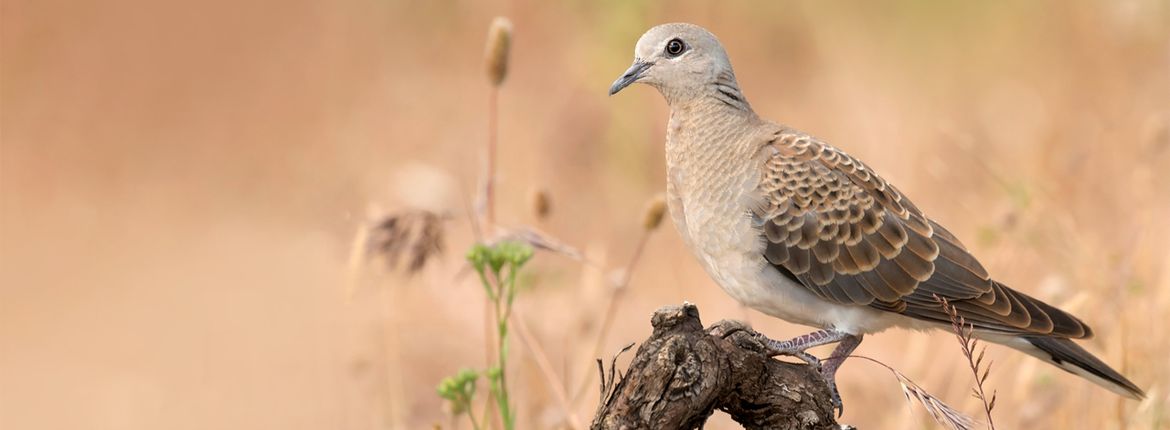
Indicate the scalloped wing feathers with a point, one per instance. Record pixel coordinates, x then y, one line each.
850 237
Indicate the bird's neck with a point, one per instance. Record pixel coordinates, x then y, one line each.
706 130
707 121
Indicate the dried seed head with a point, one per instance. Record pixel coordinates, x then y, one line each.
499 41
413 236
541 203
652 215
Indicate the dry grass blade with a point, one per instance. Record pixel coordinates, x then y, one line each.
941 412
541 241
964 332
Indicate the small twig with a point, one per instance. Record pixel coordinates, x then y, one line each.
608 384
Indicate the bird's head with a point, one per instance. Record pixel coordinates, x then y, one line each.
683 61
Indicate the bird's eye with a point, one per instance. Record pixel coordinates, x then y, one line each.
675 47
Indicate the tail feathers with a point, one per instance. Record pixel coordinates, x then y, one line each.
1069 356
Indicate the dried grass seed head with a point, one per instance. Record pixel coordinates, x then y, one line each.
499 42
652 215
541 203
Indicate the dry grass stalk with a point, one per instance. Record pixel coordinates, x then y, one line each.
651 219
554 383
942 413
974 354
499 42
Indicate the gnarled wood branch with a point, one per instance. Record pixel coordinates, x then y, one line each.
683 373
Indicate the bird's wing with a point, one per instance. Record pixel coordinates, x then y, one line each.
850 237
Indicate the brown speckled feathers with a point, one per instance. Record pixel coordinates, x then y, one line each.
850 237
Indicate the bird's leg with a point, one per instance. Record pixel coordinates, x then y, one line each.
834 361
797 345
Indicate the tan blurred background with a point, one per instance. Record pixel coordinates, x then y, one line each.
180 181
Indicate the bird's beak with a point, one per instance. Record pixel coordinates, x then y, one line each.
635 72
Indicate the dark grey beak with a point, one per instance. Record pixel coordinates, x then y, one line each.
635 72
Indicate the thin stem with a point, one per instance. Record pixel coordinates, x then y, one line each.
489 192
964 333
490 342
501 347
489 338
471 415
550 376
483 228
487 408
617 294
611 310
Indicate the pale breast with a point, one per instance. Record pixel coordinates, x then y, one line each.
711 207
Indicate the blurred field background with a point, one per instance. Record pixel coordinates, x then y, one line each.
180 182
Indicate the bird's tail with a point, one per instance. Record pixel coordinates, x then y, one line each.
1067 355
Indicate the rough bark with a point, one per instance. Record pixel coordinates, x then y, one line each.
683 373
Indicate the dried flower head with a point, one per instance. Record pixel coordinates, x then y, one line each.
541 203
411 235
499 41
652 215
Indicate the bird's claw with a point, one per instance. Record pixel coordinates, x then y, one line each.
834 395
815 362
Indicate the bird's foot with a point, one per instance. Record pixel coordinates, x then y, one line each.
834 395
827 371
796 347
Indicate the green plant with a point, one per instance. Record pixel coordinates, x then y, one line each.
460 391
497 266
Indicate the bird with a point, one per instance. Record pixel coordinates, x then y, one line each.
800 230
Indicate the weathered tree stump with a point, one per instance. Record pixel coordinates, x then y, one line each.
683 373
